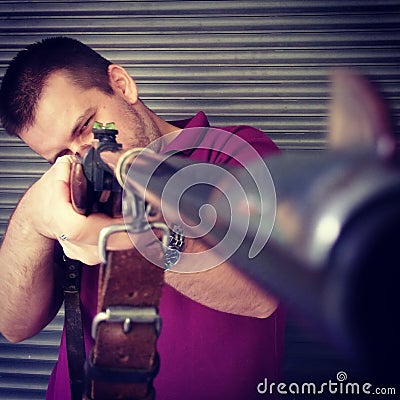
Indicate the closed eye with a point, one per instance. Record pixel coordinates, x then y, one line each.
86 124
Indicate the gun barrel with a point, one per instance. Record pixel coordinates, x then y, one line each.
332 254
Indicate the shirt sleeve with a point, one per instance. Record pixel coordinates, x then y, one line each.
235 146
258 140
230 146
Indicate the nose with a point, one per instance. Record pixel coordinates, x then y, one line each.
80 149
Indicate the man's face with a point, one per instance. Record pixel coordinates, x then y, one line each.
65 115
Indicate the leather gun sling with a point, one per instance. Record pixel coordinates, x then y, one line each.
128 279
73 326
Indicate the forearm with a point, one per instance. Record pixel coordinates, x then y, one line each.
28 279
223 288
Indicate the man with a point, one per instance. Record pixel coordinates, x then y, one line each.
221 334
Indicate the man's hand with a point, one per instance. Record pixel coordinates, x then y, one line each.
54 217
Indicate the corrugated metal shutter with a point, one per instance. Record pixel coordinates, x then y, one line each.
263 63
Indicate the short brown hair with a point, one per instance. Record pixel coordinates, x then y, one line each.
30 69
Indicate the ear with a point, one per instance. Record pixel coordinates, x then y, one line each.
122 83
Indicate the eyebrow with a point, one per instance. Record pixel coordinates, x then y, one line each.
78 123
82 119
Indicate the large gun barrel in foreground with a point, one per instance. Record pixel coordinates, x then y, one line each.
330 248
333 253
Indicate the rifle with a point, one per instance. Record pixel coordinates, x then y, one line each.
93 186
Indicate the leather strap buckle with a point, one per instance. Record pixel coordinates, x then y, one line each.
128 316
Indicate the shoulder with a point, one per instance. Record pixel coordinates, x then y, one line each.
255 137
234 145
228 145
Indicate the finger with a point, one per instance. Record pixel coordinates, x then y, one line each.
86 254
62 173
87 231
96 222
62 167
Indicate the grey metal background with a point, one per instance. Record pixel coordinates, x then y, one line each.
262 63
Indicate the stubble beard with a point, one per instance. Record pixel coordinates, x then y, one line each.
142 129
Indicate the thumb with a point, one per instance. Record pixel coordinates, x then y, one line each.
62 171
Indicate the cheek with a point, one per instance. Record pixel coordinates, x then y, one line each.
132 133
135 129
46 143
126 136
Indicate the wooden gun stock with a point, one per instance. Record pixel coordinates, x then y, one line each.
78 188
93 186
85 200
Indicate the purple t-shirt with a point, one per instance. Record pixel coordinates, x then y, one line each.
204 353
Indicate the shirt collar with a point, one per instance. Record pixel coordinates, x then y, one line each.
199 120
